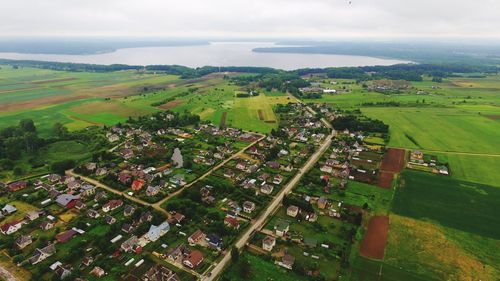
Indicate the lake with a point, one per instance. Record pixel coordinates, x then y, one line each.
213 54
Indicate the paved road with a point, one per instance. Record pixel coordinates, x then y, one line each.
275 203
159 203
157 206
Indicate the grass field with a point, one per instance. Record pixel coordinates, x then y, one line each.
475 168
442 129
430 250
462 205
261 270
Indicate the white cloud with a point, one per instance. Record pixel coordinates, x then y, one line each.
252 18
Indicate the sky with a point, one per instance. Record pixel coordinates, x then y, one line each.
318 19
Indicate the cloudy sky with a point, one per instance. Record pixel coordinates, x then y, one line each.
320 19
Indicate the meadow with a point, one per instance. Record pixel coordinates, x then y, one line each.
434 251
466 206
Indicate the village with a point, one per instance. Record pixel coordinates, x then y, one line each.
171 202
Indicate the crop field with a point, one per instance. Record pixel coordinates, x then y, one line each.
462 205
49 96
215 98
430 250
475 168
440 129
451 92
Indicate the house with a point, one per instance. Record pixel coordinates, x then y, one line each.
153 190
196 237
91 166
100 195
160 273
322 201
112 205
177 218
10 227
67 201
15 186
281 228
241 166
146 216
268 243
263 177
231 222
127 228
137 184
326 169
32 215
53 178
93 214
80 205
87 260
109 219
155 232
130 244
74 185
292 211
287 261
228 173
23 241
46 225
9 209
273 164
176 252
266 189
214 241
101 172
278 179
98 272
87 190
194 259
248 206
128 210
127 153
42 254
178 179
417 156
63 271
64 237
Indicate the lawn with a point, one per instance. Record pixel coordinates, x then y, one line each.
462 205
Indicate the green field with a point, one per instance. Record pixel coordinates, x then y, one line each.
466 206
433 251
261 270
49 96
440 129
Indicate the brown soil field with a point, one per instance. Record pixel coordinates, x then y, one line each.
53 80
171 104
261 114
223 119
493 117
373 244
394 160
385 179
